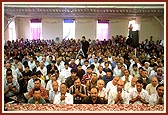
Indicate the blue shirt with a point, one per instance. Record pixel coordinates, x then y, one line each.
106 79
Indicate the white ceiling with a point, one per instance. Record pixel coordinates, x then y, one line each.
84 10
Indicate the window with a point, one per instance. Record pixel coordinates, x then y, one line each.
134 25
68 29
12 31
102 29
35 29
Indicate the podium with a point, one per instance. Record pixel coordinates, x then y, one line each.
134 35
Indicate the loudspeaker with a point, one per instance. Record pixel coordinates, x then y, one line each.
135 38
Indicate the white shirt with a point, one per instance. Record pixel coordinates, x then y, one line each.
129 78
154 99
52 94
66 72
49 85
47 58
134 93
153 72
103 64
39 58
110 59
43 71
117 72
85 68
31 65
110 86
151 89
30 84
68 99
19 73
128 87
113 95
102 93
61 78
100 74
149 69
60 66
134 73
96 65
131 66
81 62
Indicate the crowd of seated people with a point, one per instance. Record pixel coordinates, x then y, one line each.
43 71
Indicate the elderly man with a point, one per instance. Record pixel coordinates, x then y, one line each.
49 86
130 85
63 97
151 88
42 68
101 90
118 96
53 92
158 97
160 76
112 85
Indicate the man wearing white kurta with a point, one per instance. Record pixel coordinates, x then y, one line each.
158 97
112 85
151 88
139 95
118 96
127 77
63 97
129 86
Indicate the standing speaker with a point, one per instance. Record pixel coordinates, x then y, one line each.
135 38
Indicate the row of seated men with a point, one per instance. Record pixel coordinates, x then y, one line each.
109 90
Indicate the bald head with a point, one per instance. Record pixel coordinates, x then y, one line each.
115 80
120 85
100 84
133 81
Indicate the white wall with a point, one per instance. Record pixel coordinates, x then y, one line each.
151 27
52 28
17 27
118 27
6 28
85 27
23 28
6 31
